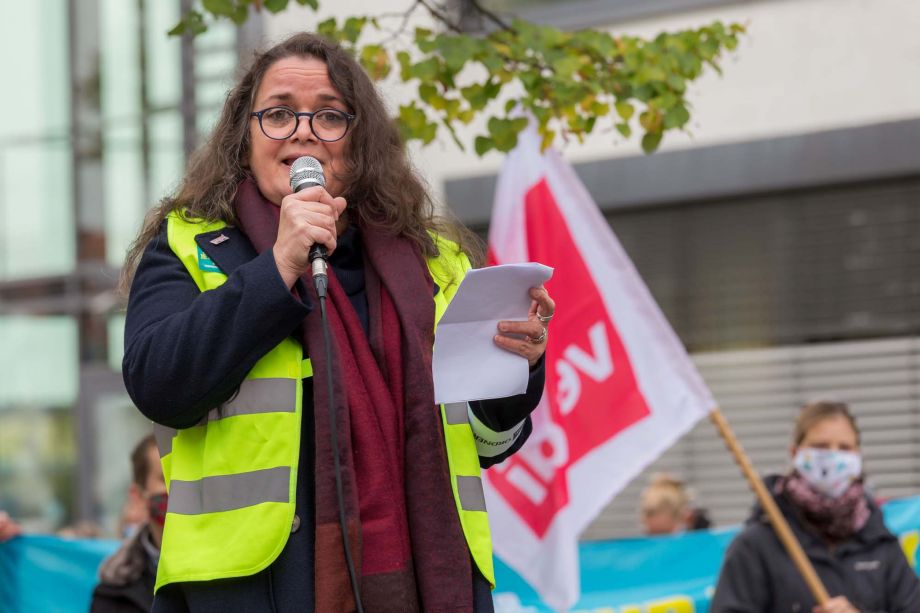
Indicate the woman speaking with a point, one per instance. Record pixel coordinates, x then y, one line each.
224 340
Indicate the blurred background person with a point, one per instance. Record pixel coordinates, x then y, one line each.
126 578
84 529
8 527
699 518
665 505
840 527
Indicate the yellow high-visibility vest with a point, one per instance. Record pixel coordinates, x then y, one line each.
231 478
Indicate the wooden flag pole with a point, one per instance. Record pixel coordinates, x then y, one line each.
779 523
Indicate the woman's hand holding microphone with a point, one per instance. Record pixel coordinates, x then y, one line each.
307 217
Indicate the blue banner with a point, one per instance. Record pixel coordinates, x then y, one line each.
49 574
668 574
665 574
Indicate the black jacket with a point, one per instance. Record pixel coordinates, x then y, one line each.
869 569
187 352
126 579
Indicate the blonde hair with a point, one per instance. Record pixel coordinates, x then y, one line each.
665 493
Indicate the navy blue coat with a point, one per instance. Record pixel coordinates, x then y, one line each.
187 352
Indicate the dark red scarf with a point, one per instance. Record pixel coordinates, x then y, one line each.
403 527
835 519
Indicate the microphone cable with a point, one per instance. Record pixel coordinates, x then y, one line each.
320 281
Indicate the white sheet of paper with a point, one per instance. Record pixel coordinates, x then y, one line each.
467 363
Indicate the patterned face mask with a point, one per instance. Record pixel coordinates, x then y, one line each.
156 506
829 472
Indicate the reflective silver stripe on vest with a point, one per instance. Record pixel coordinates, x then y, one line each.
259 396
229 492
472 498
164 437
456 413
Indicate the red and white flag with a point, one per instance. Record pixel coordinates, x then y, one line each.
620 388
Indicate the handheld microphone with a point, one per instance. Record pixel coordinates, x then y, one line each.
306 171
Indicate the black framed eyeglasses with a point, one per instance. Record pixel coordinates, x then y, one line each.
280 123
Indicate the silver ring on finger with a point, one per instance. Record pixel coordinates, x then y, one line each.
539 339
545 318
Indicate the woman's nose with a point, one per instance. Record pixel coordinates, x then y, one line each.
304 133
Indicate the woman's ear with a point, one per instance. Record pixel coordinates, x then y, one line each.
792 451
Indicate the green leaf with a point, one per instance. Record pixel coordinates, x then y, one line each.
483 145
566 66
426 71
414 124
650 120
709 48
676 117
599 109
650 73
625 110
427 91
504 132
651 141
690 65
491 56
624 129
193 23
677 83
405 65
329 29
313 4
375 61
643 92
275 6
240 15
451 107
476 95
222 8
456 50
424 41
353 27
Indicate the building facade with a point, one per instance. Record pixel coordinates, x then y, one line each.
102 110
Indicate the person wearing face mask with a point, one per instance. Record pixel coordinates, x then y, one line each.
840 527
126 578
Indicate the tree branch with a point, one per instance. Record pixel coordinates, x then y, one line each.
405 20
490 15
441 16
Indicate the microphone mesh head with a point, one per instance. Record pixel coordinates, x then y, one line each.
306 172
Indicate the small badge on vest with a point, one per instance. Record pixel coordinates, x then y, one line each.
205 263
